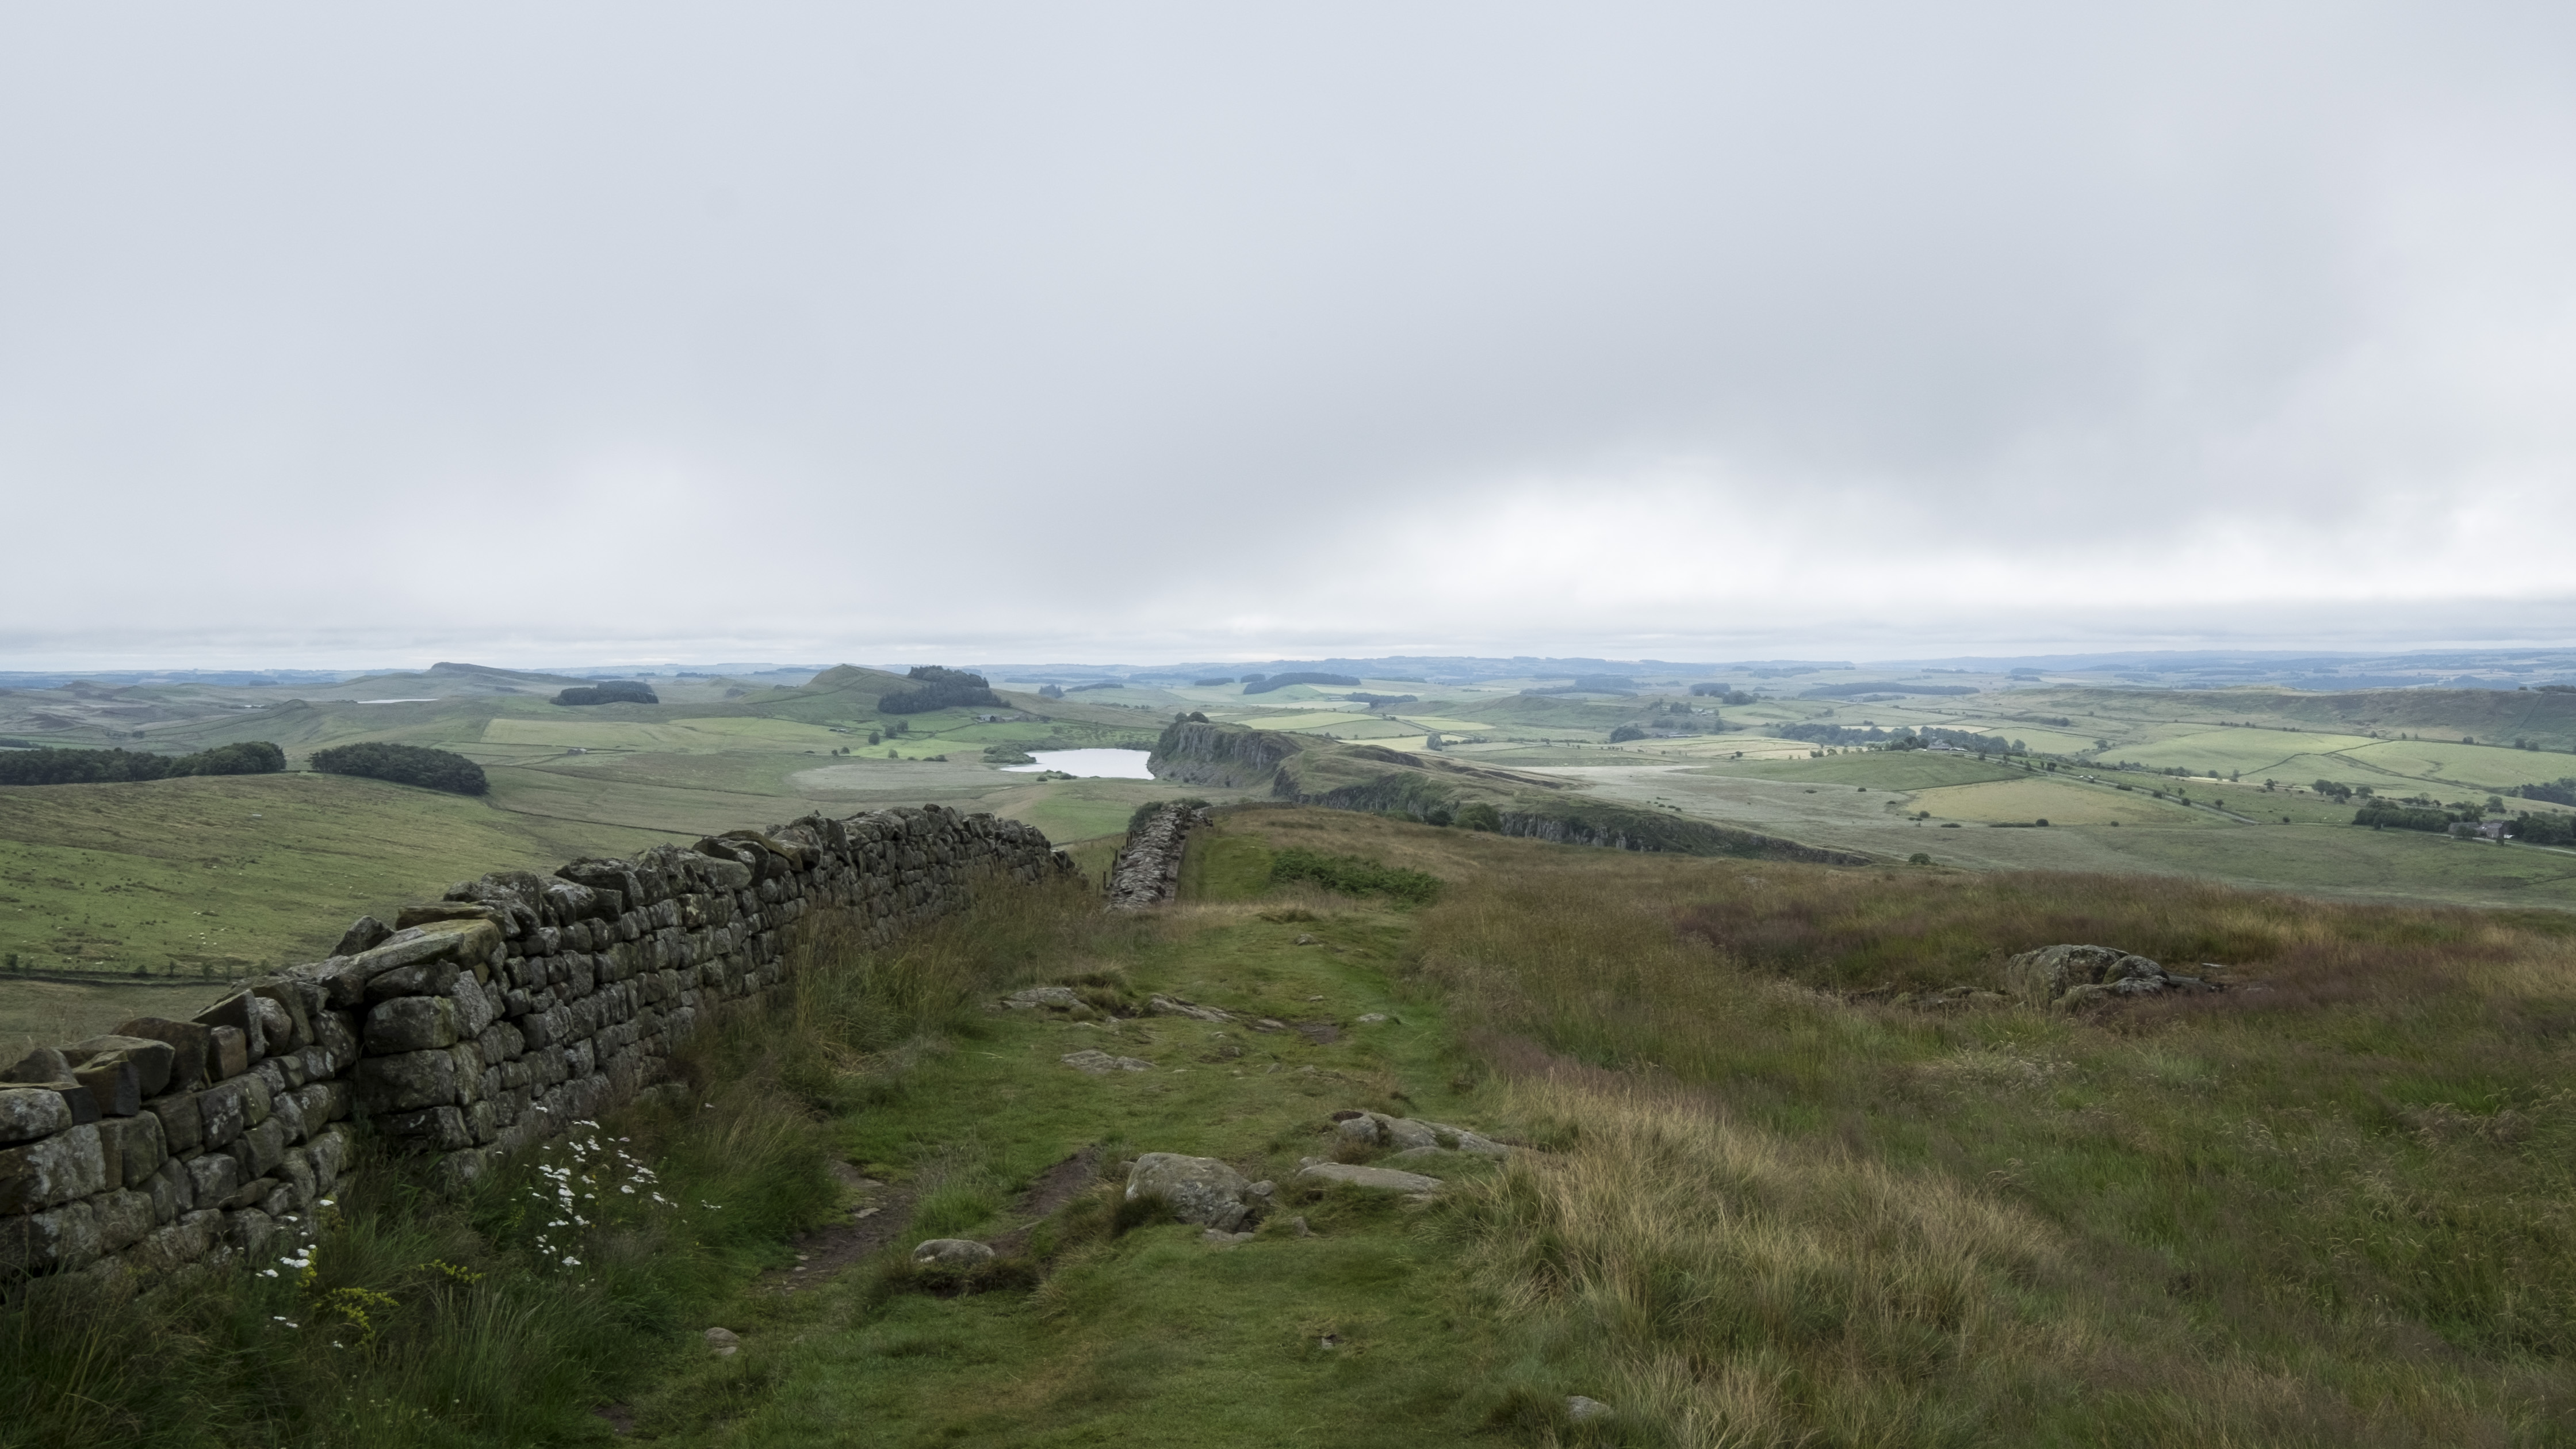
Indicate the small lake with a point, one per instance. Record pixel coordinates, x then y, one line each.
1090 764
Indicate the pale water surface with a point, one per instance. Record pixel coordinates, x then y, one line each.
1091 764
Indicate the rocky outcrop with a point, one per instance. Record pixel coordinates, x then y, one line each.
1196 752
481 1025
2070 976
1408 1135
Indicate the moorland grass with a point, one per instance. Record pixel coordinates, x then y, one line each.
2330 1206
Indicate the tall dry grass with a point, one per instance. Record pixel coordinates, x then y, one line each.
2338 1209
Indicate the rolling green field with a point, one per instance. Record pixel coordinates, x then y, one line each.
200 881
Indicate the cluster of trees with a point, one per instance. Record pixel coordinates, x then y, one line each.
2557 792
1375 700
1260 684
99 767
1723 694
1900 738
405 765
2545 829
935 687
1208 683
1045 691
614 691
2385 815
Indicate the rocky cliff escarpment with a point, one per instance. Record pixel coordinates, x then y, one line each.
1195 752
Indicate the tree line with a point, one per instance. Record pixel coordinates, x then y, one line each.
405 765
936 687
102 767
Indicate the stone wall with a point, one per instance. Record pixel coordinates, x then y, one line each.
1147 871
471 1028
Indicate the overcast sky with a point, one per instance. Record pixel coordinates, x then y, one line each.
559 333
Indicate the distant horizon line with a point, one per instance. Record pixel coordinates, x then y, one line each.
2070 661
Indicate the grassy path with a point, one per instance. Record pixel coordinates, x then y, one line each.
1364 1332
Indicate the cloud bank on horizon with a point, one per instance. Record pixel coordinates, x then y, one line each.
1151 332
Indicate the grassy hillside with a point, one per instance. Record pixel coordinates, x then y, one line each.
200 880
1788 1178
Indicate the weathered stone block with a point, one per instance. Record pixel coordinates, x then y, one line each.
364 934
114 1081
183 1127
177 1246
63 1239
123 1218
191 1045
441 1129
329 1154
228 1053
44 1064
212 1178
133 1147
39 1175
290 1015
475 1008
29 1113
427 978
252 1232
297 1169
407 1082
238 1013
410 1024
173 1192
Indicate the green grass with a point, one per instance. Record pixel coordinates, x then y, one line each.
1780 1204
214 878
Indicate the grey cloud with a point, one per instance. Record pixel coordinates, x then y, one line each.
1153 331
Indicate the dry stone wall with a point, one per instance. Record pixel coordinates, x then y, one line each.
470 1029
1147 871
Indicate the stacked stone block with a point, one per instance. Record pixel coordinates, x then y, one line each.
474 1027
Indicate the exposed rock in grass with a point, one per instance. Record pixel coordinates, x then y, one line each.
1060 997
1172 1006
1375 1179
1200 1189
723 1342
1098 1063
1407 1134
2071 976
952 1252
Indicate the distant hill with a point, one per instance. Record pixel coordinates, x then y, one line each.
444 680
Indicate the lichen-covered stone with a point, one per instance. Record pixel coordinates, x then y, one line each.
68 1165
189 1043
407 1082
410 1024
153 1059
29 1113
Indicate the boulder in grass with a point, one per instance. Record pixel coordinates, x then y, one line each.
1374 1179
953 1253
2071 976
1199 1189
